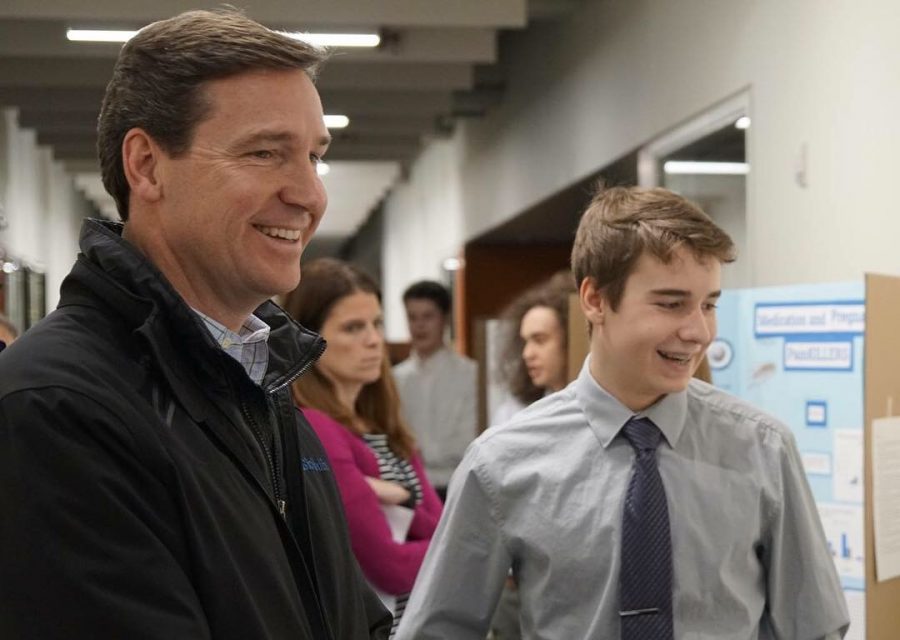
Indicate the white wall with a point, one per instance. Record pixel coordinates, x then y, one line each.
724 198
42 206
423 227
67 208
821 75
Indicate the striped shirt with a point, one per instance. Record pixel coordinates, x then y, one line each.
249 346
393 468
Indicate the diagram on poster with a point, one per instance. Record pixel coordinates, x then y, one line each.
816 463
848 466
843 526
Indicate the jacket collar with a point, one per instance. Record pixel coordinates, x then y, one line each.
112 269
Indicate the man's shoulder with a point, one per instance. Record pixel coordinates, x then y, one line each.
63 369
404 367
69 350
454 364
447 361
461 360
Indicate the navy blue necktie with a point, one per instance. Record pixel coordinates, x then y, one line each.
645 580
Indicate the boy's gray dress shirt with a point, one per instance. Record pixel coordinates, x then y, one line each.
543 494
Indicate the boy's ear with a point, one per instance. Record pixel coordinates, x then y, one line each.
593 302
140 160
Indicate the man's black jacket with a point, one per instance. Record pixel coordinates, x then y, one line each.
148 489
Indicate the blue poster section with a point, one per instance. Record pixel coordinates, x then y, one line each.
797 353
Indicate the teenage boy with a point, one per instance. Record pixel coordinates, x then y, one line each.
438 387
636 502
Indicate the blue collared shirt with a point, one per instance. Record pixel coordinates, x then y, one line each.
249 346
543 495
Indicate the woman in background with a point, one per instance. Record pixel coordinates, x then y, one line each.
350 400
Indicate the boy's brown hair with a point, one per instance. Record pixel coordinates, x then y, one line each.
621 223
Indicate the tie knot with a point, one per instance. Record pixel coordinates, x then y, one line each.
642 434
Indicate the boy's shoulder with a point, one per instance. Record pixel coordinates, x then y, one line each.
533 430
713 406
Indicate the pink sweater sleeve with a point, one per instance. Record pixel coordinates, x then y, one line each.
390 566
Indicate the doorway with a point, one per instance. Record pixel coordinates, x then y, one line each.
706 160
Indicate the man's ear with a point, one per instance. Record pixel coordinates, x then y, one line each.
140 160
593 302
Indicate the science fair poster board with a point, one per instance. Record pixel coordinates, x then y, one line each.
882 397
825 359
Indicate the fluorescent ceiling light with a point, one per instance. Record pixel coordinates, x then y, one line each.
336 122
322 168
742 123
317 39
337 39
706 168
99 35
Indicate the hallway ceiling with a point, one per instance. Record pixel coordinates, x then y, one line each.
436 64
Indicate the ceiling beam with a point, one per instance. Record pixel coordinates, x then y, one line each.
396 75
53 99
54 103
395 125
307 14
47 123
65 73
431 44
374 102
47 39
96 72
85 123
81 165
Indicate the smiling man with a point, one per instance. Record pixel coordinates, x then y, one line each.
152 465
636 503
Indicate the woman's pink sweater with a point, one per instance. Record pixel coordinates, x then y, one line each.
390 566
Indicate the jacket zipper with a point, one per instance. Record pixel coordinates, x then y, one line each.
319 349
270 459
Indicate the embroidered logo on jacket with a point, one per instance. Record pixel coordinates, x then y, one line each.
318 463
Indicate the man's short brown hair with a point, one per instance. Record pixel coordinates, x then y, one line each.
157 83
621 223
